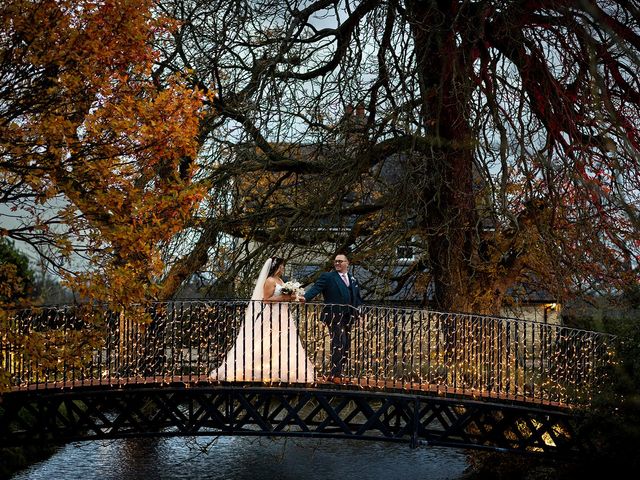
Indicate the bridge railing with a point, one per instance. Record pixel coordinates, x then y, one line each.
390 348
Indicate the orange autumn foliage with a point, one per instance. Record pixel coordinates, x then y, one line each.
91 128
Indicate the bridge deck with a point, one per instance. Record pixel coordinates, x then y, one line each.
321 383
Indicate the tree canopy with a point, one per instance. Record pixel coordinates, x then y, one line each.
495 140
95 154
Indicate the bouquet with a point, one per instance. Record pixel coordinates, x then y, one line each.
292 288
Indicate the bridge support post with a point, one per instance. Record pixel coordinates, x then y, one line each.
416 424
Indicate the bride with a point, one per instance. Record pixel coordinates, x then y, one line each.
267 348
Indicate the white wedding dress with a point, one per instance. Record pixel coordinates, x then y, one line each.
268 347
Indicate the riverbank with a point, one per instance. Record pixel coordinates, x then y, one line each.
18 458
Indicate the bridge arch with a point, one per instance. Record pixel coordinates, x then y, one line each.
152 409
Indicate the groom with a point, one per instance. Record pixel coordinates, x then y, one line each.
342 294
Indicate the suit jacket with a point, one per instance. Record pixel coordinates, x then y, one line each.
335 292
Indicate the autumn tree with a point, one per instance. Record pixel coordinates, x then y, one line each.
96 151
16 276
497 139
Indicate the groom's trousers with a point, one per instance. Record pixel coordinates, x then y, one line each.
339 321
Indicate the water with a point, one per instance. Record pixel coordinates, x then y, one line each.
240 458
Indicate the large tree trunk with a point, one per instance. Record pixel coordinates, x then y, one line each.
449 217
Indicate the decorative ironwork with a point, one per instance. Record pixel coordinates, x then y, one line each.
391 348
93 413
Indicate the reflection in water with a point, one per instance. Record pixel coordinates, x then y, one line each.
238 458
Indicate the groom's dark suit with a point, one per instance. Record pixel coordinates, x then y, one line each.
339 313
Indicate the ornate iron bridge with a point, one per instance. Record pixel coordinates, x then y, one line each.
411 375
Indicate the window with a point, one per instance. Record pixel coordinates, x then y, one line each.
404 252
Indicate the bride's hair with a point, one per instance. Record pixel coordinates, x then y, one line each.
275 264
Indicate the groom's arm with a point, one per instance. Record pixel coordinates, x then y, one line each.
317 287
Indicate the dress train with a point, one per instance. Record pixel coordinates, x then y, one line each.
267 349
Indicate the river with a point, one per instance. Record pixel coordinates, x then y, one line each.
242 458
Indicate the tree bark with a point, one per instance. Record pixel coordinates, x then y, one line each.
449 215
